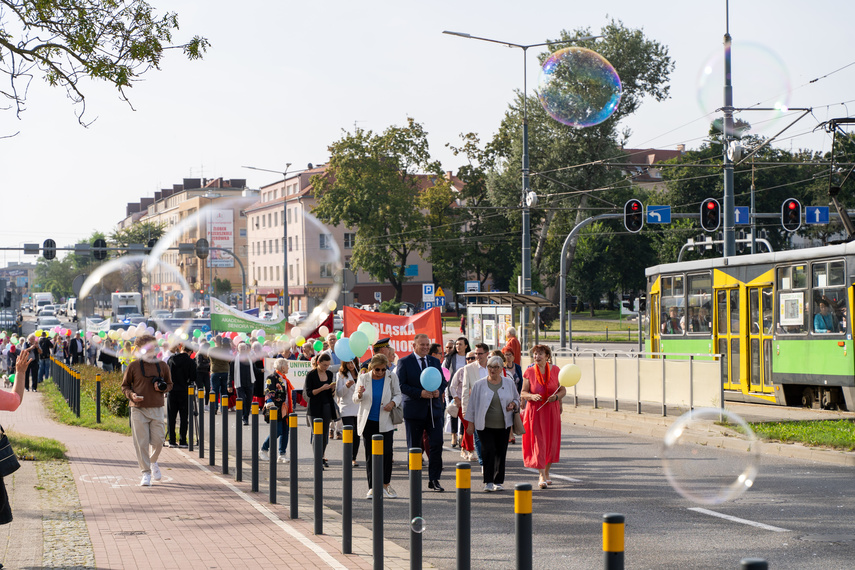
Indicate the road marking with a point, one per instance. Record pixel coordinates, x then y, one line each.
553 475
739 520
304 540
118 481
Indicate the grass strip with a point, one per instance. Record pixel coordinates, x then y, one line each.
60 411
34 448
837 434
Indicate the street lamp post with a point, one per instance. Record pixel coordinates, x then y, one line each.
202 262
526 187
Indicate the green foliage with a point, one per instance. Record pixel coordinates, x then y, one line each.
839 434
592 273
390 307
36 448
67 41
55 276
222 286
111 405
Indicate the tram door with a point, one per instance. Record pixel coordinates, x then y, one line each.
654 323
760 338
728 333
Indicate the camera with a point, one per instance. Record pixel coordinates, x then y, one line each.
159 383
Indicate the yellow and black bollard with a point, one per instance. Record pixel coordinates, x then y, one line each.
377 498
191 416
613 537
522 514
254 442
274 425
464 512
294 479
347 490
212 446
318 441
224 407
415 508
238 440
98 398
201 395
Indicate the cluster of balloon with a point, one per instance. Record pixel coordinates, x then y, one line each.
57 330
356 345
569 375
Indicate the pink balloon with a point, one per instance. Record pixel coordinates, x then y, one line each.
447 373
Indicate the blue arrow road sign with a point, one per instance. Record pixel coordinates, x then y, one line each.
740 216
658 214
816 214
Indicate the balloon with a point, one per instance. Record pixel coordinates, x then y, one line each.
102 334
296 332
318 346
11 378
338 335
446 373
301 341
569 375
358 343
324 331
431 379
213 344
369 330
197 333
343 351
331 305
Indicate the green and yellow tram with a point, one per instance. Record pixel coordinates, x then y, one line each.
780 320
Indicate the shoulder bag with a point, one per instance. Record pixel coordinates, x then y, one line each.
518 427
8 460
397 415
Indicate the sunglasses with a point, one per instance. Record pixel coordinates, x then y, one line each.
470 358
380 370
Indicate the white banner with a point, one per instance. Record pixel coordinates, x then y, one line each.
97 325
221 233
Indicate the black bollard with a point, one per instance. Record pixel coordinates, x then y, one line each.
254 453
98 398
274 433
294 478
212 445
613 536
464 510
239 440
522 515
224 408
191 416
318 449
347 490
201 395
415 508
753 564
377 498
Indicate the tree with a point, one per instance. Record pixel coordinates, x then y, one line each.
67 41
222 286
592 273
372 183
55 276
140 233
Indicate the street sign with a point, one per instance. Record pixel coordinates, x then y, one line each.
428 305
816 214
439 301
658 214
439 292
271 299
427 292
378 296
740 216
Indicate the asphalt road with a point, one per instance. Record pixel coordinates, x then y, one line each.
797 514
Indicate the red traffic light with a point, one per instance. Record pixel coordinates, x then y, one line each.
633 215
711 205
791 214
710 214
791 205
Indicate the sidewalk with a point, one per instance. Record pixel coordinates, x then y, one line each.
195 517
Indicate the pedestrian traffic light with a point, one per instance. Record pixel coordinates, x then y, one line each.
202 248
99 249
49 249
633 215
791 214
710 214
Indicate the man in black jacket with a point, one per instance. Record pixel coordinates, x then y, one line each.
182 369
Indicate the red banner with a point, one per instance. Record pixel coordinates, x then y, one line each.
400 330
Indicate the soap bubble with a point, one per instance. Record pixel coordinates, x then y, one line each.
578 87
711 456
417 525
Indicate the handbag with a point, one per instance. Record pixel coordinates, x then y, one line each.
397 414
518 428
452 409
8 460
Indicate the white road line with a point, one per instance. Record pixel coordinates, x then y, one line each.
738 520
554 476
308 543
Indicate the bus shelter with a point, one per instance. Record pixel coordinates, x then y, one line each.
490 315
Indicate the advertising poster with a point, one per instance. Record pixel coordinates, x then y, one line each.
221 233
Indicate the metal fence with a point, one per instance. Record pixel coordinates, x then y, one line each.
67 379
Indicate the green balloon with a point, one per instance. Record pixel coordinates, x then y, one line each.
338 335
11 378
319 345
197 333
102 334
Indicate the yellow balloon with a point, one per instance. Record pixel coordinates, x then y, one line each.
301 341
569 375
331 305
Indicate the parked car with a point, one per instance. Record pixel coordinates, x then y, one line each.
183 314
407 309
297 317
338 323
134 318
47 322
204 313
161 314
267 315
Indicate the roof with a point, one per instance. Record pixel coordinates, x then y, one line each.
505 298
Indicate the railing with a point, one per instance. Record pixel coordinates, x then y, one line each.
67 379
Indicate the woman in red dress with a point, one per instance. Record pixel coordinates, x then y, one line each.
541 442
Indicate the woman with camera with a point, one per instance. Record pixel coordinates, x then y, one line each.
145 384
278 396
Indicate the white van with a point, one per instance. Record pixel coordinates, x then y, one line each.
71 308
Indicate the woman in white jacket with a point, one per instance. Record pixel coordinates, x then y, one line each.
345 388
377 392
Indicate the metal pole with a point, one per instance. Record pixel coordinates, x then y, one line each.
638 383
292 443
191 416
664 408
464 512
691 382
224 408
238 440
212 399
274 430
415 507
201 394
318 448
347 490
254 454
594 377
616 386
523 518
377 498
98 398
526 213
613 541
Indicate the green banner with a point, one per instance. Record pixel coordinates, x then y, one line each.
227 319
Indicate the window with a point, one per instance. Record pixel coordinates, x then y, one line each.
697 319
349 240
289 245
829 297
289 215
792 282
263 221
270 220
265 273
673 305
326 270
275 219
277 273
297 242
326 241
270 245
298 273
290 273
264 247
277 246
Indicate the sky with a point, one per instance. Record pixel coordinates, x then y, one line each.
283 80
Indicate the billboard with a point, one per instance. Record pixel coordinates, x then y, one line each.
221 233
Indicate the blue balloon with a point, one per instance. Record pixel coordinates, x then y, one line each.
342 349
431 378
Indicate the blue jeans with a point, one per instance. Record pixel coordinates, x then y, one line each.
219 386
283 437
478 448
44 369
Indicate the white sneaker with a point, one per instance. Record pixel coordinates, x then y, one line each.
489 488
155 472
263 456
369 494
389 492
146 480
283 458
497 487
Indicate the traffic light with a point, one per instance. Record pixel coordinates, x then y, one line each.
791 214
49 249
99 249
633 215
202 248
710 214
150 245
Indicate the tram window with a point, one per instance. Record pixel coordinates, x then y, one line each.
697 318
754 310
721 308
829 303
672 318
799 277
767 311
734 311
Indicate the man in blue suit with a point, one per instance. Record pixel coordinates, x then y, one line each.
423 410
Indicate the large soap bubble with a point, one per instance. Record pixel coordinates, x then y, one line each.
711 456
579 87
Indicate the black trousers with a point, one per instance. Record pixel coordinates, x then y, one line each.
494 449
326 416
372 428
31 373
351 421
176 405
415 431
